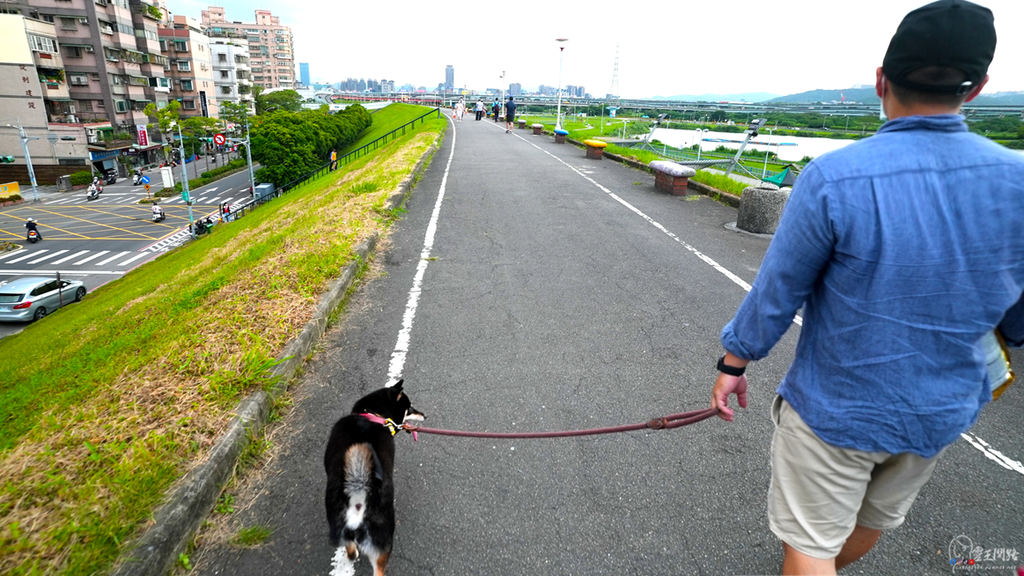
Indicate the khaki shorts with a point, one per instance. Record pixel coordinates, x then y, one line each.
819 492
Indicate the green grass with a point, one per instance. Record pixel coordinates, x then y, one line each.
252 536
720 181
135 382
385 120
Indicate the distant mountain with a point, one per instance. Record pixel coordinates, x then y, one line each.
745 97
862 95
868 96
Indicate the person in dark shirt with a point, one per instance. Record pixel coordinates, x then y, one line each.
496 109
510 115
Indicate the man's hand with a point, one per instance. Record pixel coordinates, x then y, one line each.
726 385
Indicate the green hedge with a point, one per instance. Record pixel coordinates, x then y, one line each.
233 165
81 178
11 198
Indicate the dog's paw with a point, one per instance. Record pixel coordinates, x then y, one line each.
341 565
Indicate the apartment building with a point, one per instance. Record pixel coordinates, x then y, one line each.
231 75
113 67
190 67
34 90
271 45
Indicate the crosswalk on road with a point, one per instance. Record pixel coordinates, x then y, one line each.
71 258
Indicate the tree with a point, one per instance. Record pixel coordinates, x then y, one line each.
287 100
165 117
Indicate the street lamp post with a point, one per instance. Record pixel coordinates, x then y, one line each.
700 140
765 171
184 182
501 89
558 112
25 138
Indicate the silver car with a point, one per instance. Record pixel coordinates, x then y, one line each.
27 299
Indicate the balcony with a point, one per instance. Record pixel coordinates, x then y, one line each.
111 144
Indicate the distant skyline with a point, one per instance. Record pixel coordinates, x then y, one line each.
665 47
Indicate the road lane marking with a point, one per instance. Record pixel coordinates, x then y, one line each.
397 364
993 454
9 254
111 258
58 253
93 257
65 259
130 260
26 256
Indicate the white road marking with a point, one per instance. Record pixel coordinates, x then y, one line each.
9 254
93 257
66 258
203 199
397 364
111 258
26 256
993 454
130 260
37 260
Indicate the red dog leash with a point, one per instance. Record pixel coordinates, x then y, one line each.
667 422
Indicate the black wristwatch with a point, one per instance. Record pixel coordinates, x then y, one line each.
730 370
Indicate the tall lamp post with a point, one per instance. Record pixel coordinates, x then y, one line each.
184 182
700 140
501 90
25 138
558 113
765 171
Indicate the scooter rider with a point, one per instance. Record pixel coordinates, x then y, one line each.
30 225
158 211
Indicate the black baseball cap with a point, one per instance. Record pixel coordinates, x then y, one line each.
952 33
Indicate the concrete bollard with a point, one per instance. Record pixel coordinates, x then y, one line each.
761 208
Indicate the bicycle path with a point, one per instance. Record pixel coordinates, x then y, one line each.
531 289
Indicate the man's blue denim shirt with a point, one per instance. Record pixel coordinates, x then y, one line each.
903 250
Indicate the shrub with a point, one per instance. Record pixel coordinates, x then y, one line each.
11 198
81 178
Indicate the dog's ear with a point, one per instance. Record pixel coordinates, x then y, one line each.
398 387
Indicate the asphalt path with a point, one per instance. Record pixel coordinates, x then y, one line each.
100 240
562 293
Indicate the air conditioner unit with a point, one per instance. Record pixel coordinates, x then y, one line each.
90 49
83 20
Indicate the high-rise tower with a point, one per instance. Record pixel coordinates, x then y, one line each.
614 92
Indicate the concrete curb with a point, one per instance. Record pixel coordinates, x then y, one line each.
714 193
194 496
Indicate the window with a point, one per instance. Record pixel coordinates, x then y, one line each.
101 104
78 80
121 105
225 75
225 89
47 18
186 85
188 105
163 45
85 105
222 57
72 51
68 23
184 66
180 46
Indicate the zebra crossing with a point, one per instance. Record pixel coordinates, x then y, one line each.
207 199
72 258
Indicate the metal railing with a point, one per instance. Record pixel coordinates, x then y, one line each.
332 166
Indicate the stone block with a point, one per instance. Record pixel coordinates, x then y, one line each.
761 208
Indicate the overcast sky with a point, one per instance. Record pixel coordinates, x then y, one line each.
666 47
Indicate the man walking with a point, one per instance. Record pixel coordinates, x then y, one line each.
510 115
496 108
903 250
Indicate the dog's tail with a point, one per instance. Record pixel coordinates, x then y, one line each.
360 470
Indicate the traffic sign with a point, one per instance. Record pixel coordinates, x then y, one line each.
147 187
145 180
219 139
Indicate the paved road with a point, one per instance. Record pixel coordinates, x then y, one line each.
101 240
559 293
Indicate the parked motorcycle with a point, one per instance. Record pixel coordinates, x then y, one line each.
111 177
33 236
92 193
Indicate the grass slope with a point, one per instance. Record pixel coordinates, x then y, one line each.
104 404
385 120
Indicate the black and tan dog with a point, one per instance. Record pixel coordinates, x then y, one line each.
359 461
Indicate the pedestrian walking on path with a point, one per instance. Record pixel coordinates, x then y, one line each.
496 109
510 115
479 109
899 282
460 110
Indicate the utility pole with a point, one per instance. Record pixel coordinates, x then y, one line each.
184 183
